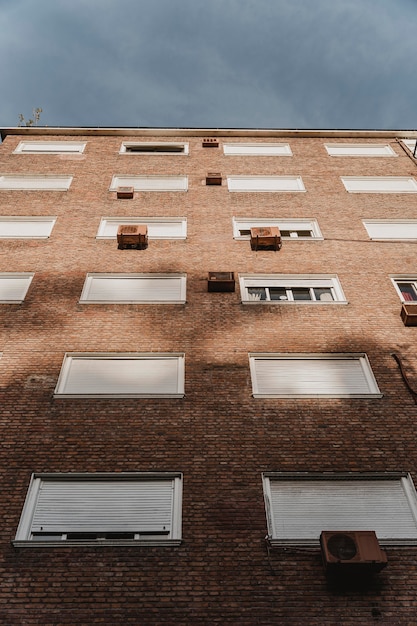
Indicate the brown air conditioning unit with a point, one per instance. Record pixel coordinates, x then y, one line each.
409 314
125 193
352 552
210 142
265 238
132 236
221 282
214 178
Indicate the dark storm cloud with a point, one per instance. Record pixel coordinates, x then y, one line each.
221 63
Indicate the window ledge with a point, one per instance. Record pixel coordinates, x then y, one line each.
294 302
18 543
315 543
317 396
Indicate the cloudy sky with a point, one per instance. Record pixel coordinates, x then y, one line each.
210 63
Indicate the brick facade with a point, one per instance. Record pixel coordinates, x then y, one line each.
218 435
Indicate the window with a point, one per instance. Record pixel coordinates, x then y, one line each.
290 229
96 509
292 375
37 182
380 184
121 375
257 149
388 229
158 227
16 227
300 507
359 150
265 183
165 148
286 289
13 287
130 288
406 288
410 143
150 183
50 147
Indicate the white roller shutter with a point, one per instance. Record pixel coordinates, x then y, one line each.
150 183
310 376
265 183
379 184
26 227
21 182
158 228
130 288
391 230
13 287
257 149
121 375
302 509
106 506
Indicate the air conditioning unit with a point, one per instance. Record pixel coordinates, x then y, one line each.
214 178
409 314
221 282
132 236
352 551
265 238
210 142
125 193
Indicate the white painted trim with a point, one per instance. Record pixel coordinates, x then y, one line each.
391 230
156 282
50 147
257 149
155 226
65 386
290 281
124 148
17 224
361 358
268 184
359 150
404 278
21 280
150 183
245 223
35 182
379 184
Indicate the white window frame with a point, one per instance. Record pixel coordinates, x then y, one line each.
410 144
375 184
150 183
292 225
359 150
156 279
283 519
35 182
179 224
391 230
50 147
126 148
290 282
257 149
367 376
66 388
27 536
406 278
20 221
265 184
25 278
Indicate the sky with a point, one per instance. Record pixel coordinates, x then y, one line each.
210 63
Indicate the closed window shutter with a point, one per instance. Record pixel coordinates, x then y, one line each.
157 229
265 183
336 377
51 147
25 228
36 183
106 506
380 184
122 376
14 288
302 509
133 289
392 230
271 149
151 183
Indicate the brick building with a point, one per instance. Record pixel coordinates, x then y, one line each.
173 446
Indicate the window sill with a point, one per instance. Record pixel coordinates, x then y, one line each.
18 543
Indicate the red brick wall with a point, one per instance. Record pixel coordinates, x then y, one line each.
218 435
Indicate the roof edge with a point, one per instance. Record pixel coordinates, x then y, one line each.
202 132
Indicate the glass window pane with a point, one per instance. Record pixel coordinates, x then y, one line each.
278 293
408 291
257 293
301 293
323 293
